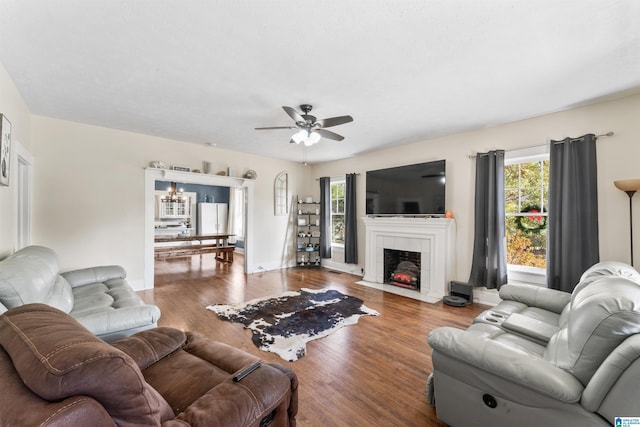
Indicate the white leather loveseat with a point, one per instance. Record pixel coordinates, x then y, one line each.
565 360
98 297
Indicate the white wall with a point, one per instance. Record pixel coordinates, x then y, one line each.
89 193
618 158
13 106
89 181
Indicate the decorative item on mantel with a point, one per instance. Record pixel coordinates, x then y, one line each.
251 174
448 214
629 186
181 168
206 167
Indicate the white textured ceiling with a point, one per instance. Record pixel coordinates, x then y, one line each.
406 70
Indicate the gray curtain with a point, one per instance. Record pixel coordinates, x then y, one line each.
572 245
489 262
350 221
325 217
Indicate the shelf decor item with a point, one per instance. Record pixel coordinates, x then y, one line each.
5 149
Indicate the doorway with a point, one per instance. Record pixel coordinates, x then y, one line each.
152 175
24 196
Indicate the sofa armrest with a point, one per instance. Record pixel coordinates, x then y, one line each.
262 395
98 274
511 364
536 296
622 361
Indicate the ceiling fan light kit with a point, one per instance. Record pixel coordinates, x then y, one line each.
311 129
305 137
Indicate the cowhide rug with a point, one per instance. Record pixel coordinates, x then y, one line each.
284 324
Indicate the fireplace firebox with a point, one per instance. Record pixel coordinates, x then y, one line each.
402 268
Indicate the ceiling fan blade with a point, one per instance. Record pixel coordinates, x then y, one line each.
277 127
334 121
329 135
294 114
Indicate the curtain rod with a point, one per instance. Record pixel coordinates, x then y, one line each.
357 173
610 133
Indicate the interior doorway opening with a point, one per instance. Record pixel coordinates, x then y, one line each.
236 194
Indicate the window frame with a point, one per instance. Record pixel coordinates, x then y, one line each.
522 273
336 181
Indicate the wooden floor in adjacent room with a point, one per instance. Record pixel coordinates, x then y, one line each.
369 374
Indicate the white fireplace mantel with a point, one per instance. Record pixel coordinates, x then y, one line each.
434 238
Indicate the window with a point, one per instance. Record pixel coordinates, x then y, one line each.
526 181
337 212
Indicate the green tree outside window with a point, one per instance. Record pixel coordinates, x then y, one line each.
526 202
337 213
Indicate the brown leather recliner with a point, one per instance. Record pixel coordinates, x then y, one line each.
55 372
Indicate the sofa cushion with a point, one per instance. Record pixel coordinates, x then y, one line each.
58 358
28 276
61 296
112 306
601 317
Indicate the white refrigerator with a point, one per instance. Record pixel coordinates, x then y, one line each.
212 218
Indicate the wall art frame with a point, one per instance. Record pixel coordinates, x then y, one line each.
5 149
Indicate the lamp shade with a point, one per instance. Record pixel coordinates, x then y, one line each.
299 137
313 138
627 184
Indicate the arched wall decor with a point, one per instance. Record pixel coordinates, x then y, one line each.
281 194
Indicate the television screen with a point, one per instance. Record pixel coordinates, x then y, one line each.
407 190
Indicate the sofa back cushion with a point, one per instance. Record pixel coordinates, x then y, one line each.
602 315
61 295
596 272
28 276
57 358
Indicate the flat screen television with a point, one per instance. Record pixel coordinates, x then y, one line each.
411 190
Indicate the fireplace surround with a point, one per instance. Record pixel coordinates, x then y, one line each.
433 238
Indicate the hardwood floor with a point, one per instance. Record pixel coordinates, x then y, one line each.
370 374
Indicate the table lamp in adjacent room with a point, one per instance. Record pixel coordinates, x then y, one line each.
629 186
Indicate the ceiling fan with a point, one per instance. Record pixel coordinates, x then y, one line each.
311 129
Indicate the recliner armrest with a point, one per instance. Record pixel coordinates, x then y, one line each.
536 296
85 276
243 403
506 362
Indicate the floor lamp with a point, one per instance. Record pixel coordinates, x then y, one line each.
629 186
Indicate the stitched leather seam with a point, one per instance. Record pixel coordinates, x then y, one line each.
141 384
45 358
64 408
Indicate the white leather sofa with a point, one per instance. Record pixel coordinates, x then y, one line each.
98 297
566 359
